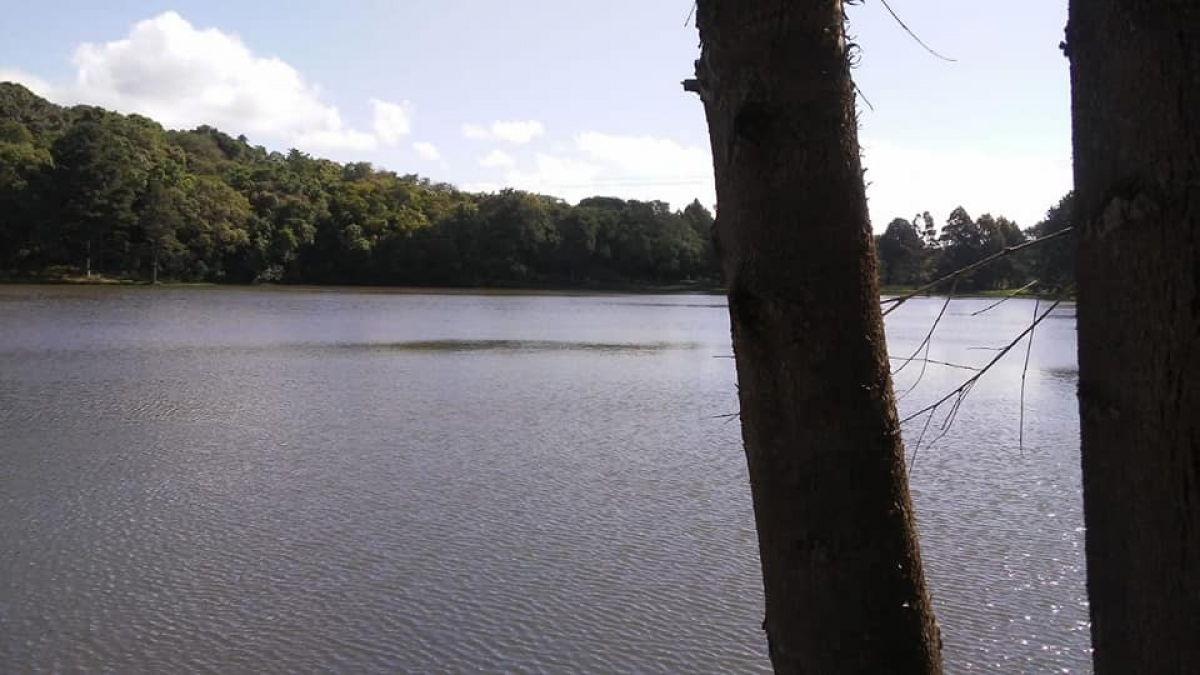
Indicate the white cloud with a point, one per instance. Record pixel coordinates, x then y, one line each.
336 139
482 187
517 132
572 179
901 180
34 84
497 158
645 154
512 132
183 76
392 121
631 167
475 132
905 180
427 151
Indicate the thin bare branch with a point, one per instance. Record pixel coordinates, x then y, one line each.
935 362
864 97
1006 298
900 300
912 34
727 418
926 345
1024 372
963 389
948 422
917 448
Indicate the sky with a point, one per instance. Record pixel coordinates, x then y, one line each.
563 97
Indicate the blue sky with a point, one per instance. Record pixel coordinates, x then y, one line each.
565 97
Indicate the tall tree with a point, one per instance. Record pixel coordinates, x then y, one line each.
901 252
22 170
1053 263
1135 75
159 217
962 243
844 587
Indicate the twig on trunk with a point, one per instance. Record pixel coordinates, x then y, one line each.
864 97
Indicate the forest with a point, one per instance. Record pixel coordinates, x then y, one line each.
85 191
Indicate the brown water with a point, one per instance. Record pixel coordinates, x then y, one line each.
298 480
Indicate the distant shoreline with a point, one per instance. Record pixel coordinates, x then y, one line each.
615 287
498 289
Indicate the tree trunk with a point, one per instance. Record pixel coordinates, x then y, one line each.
845 592
1135 74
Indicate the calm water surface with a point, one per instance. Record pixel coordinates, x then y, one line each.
297 480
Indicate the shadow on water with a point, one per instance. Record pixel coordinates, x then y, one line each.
1065 374
458 346
511 346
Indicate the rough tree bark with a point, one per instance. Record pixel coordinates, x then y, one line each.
845 591
1135 75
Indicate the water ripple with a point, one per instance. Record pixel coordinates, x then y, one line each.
323 482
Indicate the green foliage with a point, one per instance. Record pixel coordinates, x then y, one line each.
22 166
901 254
44 120
1053 263
84 187
912 254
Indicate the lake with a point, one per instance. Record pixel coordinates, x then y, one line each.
337 480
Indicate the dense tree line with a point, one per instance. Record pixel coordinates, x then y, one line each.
85 190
